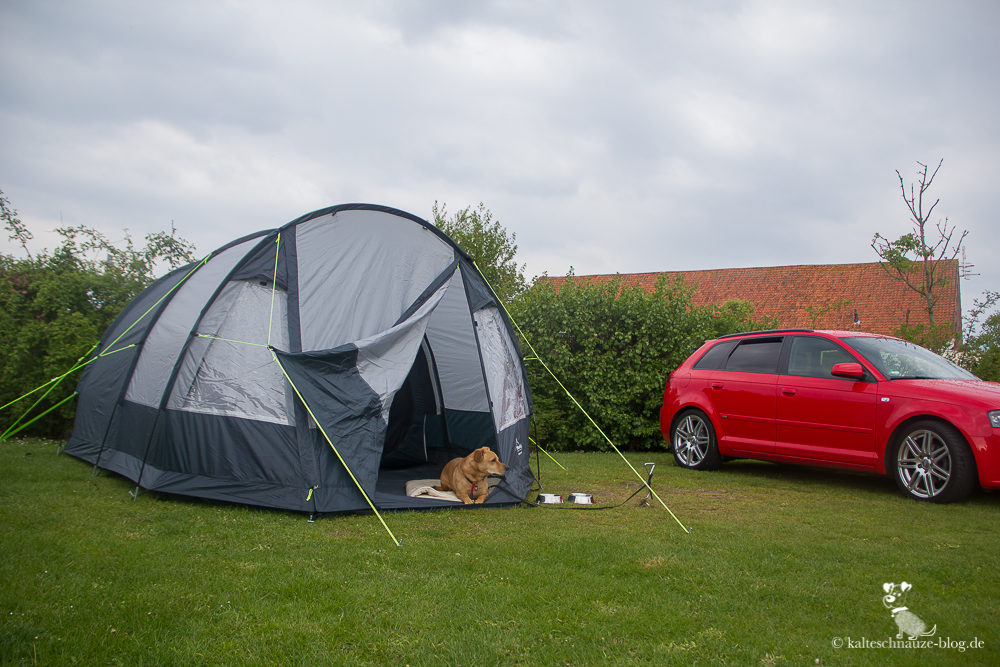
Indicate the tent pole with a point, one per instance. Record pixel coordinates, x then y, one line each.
152 432
104 440
538 460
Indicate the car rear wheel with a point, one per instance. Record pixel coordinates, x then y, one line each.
694 443
933 463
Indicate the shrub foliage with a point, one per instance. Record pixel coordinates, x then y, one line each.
55 305
612 346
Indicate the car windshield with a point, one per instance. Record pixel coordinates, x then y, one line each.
902 360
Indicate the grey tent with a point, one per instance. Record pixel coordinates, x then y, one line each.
316 367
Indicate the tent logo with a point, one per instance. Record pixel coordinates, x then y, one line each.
908 622
518 447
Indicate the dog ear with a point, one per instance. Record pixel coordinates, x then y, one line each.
479 454
887 587
905 586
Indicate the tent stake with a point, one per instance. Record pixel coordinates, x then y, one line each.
649 493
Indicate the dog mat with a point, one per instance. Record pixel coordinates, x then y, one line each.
418 488
424 488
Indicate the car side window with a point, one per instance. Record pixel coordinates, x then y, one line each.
814 357
756 355
716 356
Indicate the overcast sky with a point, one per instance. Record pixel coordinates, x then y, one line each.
610 136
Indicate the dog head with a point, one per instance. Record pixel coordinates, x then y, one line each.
488 463
894 594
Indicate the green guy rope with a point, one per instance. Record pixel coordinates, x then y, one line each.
577 403
58 378
160 300
29 423
546 453
55 383
342 461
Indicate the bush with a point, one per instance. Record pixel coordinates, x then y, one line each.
55 306
612 345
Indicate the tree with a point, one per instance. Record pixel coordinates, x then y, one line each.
487 242
980 353
13 224
54 306
912 258
818 312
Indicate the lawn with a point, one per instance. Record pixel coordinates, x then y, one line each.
781 563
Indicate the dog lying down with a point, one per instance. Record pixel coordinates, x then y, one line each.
467 476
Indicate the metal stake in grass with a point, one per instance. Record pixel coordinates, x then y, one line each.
652 467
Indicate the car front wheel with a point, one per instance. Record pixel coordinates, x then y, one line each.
694 443
933 463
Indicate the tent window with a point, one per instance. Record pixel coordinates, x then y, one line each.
503 370
228 369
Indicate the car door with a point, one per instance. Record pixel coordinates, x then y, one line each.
743 395
821 417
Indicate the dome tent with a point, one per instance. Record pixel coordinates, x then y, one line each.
316 367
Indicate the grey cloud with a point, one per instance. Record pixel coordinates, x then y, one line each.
615 137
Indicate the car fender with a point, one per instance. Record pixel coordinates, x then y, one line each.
899 411
698 401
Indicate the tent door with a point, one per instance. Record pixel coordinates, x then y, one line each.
416 433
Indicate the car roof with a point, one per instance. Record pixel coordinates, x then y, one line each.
835 333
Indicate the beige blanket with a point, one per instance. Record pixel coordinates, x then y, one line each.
425 487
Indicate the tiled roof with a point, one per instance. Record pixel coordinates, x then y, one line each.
833 292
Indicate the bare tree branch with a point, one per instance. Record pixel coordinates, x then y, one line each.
901 258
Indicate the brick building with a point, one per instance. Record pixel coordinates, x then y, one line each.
852 297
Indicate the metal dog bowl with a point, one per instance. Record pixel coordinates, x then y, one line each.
549 499
581 498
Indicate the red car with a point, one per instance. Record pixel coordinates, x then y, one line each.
840 399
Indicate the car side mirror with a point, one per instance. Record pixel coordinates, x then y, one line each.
848 369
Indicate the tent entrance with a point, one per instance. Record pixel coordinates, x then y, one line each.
417 432
417 440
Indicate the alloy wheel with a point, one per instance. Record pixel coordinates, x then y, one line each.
691 440
923 463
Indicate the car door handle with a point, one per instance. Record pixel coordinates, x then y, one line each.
788 391
716 385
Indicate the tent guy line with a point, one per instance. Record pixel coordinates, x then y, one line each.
538 357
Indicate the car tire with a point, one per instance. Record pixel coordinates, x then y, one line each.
932 462
692 439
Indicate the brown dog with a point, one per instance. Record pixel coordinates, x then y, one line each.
467 477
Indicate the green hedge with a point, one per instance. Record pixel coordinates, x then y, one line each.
613 346
55 306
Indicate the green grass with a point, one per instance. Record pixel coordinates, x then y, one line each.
780 562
